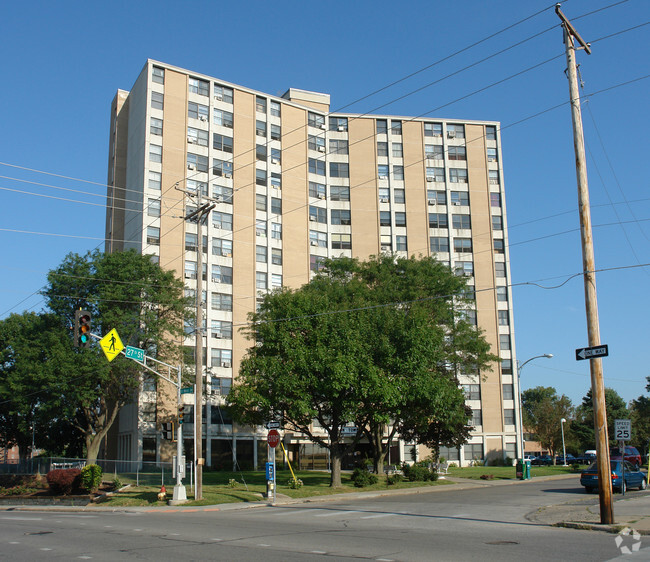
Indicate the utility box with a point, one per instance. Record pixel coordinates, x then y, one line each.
522 469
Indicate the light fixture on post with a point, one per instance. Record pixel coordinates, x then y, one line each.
520 366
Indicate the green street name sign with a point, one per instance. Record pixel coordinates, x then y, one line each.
187 390
134 353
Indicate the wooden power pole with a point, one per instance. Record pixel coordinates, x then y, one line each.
571 36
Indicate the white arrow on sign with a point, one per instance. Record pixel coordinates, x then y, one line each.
588 352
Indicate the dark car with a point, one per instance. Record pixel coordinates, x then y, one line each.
570 459
586 458
634 478
543 460
631 455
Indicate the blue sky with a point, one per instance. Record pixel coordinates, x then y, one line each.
64 61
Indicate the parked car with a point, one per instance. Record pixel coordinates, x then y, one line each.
530 458
587 458
570 459
632 455
543 460
634 477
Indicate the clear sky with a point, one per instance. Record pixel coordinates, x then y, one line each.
63 62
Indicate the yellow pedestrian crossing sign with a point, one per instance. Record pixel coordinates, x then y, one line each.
111 344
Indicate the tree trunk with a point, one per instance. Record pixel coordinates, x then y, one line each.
336 454
379 451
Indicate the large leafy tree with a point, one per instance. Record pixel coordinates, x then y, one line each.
125 291
373 344
583 425
640 415
542 411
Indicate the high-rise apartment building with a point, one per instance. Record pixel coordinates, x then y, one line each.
291 184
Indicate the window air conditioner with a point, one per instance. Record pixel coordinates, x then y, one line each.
340 128
226 364
191 167
457 203
312 219
383 200
227 255
218 97
431 201
321 196
321 149
203 118
227 175
383 177
385 248
451 134
430 178
217 336
274 161
313 243
190 140
323 127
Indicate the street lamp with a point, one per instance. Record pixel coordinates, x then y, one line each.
562 422
520 366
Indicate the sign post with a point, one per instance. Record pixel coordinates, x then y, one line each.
273 439
622 433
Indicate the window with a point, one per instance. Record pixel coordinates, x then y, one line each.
398 150
276 280
473 451
222 93
382 148
457 175
500 269
508 391
221 168
492 155
490 132
316 262
464 268
316 214
221 142
153 207
220 358
341 216
260 104
261 254
196 136
221 247
433 129
461 221
338 123
457 153
434 151
276 205
222 194
276 180
436 197
472 391
156 100
316 143
497 222
456 131
495 200
468 316
400 243
499 247
316 167
400 218
504 318
399 196
197 162
220 387
276 256
317 190
384 218
339 170
315 120
223 118
477 418
509 417
459 198
221 301
156 126
382 171
502 294
197 86
222 220
158 75
198 111
260 178
504 342
155 180
435 174
275 109
317 238
260 228
276 156
398 172
261 280
395 127
506 366
437 220
338 146
260 202
155 153
382 126
153 235
260 128
190 269
451 454
493 177
222 274
439 244
276 132
340 193
341 241
276 230
463 245
148 413
221 329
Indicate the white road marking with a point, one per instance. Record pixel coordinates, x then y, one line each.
318 552
16 518
377 515
263 545
79 516
288 512
216 540
85 557
330 514
14 542
45 549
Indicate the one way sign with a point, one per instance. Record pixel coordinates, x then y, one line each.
589 352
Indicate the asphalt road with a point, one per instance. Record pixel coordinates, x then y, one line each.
484 523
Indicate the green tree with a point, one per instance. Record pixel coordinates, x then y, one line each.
583 425
340 351
125 291
640 415
542 411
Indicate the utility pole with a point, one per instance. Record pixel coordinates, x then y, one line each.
589 267
201 212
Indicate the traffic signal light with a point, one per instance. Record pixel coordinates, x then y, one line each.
181 413
168 431
81 328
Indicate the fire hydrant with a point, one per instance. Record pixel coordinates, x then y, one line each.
162 494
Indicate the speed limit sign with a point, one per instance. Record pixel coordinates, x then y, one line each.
622 430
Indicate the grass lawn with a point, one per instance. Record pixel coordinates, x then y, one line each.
507 472
250 485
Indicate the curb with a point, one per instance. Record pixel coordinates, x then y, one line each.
614 529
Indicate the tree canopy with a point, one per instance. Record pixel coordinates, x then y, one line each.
373 345
583 426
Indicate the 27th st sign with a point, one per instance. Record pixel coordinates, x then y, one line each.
589 352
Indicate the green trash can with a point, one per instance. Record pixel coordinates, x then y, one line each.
519 469
527 474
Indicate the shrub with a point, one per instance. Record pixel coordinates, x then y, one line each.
363 478
232 483
487 477
394 479
91 477
117 483
419 473
295 483
63 481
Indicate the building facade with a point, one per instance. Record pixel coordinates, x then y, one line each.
291 184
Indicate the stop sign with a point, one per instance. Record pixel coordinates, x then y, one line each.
273 438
